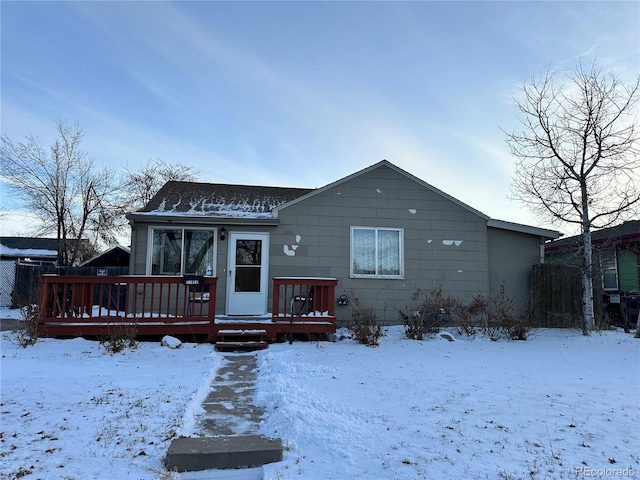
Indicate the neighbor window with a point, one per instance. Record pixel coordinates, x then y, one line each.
609 268
181 251
377 252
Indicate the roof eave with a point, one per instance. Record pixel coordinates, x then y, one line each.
520 228
143 217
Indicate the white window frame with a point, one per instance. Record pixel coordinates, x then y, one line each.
151 231
377 264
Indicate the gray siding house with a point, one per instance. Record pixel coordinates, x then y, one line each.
381 232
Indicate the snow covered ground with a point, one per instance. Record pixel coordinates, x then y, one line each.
559 405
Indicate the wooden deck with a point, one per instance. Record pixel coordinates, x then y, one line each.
78 306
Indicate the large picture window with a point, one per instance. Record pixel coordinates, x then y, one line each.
182 251
377 252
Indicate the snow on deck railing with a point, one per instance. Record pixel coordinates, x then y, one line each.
143 300
304 297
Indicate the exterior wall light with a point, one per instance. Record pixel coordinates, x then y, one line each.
223 234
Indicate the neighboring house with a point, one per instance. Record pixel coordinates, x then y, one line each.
25 251
616 253
115 256
23 254
616 257
382 232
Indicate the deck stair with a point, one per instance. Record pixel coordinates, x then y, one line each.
241 339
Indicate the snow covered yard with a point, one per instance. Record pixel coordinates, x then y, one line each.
70 410
559 405
471 408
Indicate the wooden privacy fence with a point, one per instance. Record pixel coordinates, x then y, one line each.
557 296
88 306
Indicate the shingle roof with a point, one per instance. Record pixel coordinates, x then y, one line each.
32 247
624 233
117 255
215 199
30 243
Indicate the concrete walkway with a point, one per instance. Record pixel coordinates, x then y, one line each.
226 433
229 409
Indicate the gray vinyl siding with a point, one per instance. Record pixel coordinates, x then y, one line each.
384 198
138 257
446 245
511 259
140 237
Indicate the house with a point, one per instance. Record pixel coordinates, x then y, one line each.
114 256
21 258
616 255
381 232
22 251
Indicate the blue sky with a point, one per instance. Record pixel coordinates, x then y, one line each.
300 93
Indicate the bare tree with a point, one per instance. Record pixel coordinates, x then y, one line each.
141 185
577 156
61 187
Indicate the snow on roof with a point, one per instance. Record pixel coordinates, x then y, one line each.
251 201
220 200
27 252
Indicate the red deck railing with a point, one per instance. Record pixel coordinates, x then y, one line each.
73 306
304 298
154 305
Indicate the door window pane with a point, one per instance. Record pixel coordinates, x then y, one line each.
248 252
247 279
248 265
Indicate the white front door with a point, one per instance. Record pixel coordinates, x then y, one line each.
247 274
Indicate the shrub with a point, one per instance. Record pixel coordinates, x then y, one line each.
364 326
500 314
469 317
28 332
493 316
505 320
121 335
426 313
518 328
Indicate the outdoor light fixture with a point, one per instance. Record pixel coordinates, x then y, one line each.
343 300
223 233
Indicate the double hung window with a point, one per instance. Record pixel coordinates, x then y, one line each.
377 252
